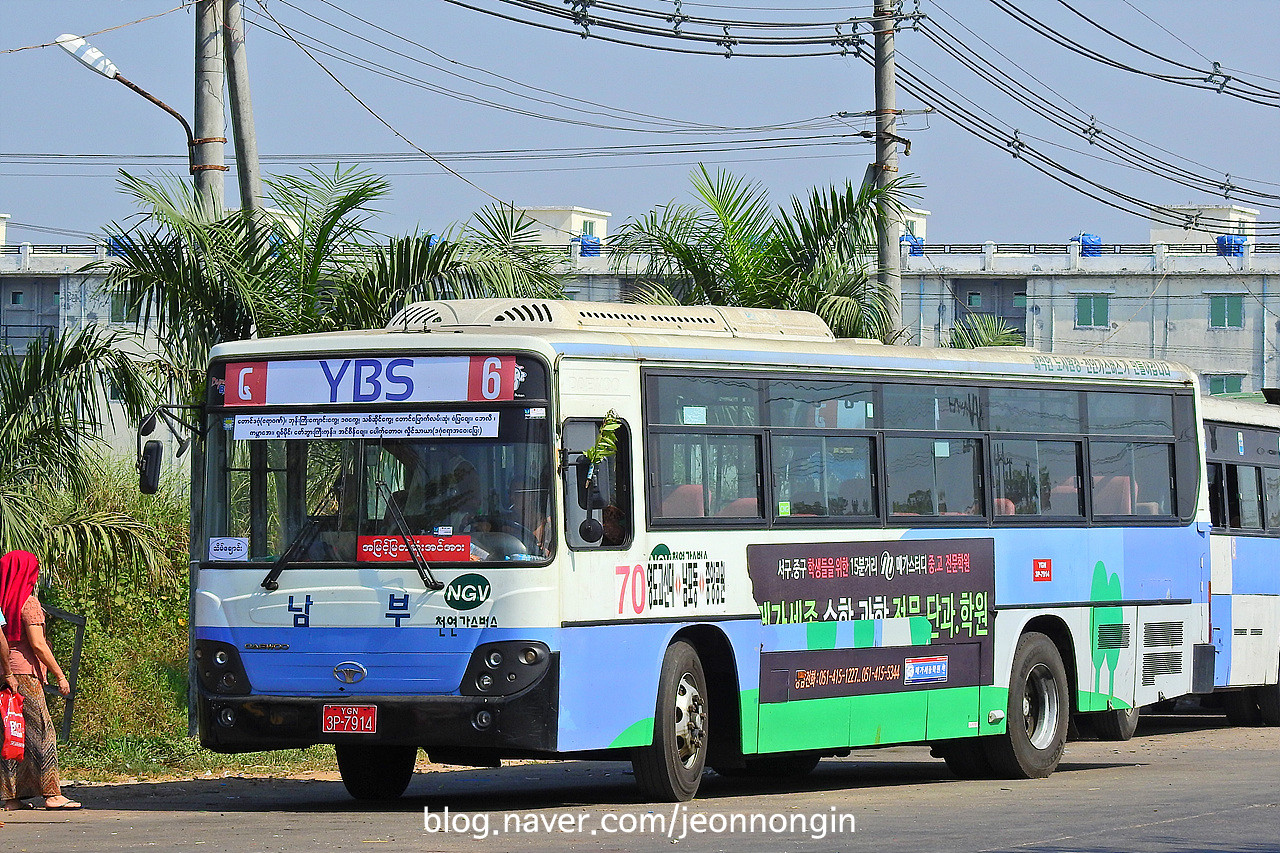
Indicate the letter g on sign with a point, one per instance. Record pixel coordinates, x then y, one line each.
246 383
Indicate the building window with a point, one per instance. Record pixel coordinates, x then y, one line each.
121 311
1093 310
974 300
588 228
57 299
1226 311
1226 384
1019 300
16 297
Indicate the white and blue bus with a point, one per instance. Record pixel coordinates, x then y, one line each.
1242 445
687 537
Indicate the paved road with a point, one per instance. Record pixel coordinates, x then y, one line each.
1183 784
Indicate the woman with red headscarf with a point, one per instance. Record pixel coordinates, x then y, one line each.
30 659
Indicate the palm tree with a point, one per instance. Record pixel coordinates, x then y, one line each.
731 249
983 330
496 255
309 265
51 410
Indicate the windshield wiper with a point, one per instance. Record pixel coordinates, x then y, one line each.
424 570
301 541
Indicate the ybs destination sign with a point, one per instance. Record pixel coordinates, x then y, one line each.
338 381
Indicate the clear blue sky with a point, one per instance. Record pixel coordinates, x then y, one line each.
49 105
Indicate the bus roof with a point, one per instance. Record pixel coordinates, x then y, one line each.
1245 412
765 338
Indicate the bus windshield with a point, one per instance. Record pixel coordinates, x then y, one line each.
335 500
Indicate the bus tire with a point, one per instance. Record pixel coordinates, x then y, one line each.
372 771
1036 718
670 769
1269 704
966 758
783 765
1116 724
1241 707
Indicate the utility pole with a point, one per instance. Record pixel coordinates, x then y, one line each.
247 172
210 128
890 259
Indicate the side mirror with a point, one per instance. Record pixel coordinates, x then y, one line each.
591 530
149 467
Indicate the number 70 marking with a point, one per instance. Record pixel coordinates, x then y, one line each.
636 577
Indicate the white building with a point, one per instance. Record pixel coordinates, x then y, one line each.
43 290
1183 297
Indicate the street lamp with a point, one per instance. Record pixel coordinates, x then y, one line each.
92 58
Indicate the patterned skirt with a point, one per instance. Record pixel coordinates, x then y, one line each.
36 775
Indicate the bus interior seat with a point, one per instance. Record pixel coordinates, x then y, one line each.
684 501
1004 506
741 508
1065 494
1148 507
1112 495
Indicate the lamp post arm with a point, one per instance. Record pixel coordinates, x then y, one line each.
191 137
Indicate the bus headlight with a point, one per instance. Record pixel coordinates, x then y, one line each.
504 668
220 669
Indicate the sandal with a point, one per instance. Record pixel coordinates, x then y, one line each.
17 806
67 805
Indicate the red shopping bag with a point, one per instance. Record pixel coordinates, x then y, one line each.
15 729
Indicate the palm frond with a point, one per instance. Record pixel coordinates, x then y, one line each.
983 330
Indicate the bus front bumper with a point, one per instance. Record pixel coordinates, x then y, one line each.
524 722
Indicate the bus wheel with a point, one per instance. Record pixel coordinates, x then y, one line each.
1241 707
783 765
670 769
1117 724
1036 721
1269 704
1268 696
966 758
375 771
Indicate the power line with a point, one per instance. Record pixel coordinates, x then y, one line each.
1088 120
1125 155
646 123
374 113
177 8
834 42
1014 144
1212 79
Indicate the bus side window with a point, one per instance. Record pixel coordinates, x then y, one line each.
1217 496
611 505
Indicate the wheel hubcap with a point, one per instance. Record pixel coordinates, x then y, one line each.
691 721
1040 708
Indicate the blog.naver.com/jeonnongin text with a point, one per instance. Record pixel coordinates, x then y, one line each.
678 823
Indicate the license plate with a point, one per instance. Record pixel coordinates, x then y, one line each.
350 719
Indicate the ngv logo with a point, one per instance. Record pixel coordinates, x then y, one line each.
467 592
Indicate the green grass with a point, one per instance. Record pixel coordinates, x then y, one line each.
144 757
130 717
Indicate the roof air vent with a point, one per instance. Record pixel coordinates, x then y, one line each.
531 312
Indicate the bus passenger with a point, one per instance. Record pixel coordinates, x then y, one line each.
528 517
